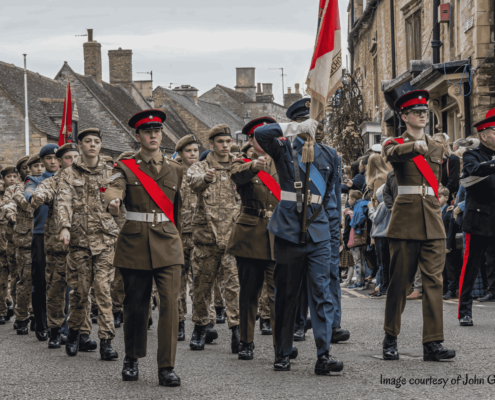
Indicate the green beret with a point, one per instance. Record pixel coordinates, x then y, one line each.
235 148
65 148
188 139
90 131
35 158
246 147
219 130
9 169
21 161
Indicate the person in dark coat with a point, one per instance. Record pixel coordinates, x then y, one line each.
451 167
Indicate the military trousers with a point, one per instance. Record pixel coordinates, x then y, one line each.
38 275
7 266
137 286
188 246
56 285
405 258
211 263
83 271
24 285
264 303
117 292
335 275
253 273
293 262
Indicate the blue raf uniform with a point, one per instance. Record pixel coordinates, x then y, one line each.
294 261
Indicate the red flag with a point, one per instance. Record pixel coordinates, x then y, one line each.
325 72
65 135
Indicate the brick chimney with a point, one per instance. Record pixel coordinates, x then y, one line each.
267 89
245 82
92 57
120 62
188 91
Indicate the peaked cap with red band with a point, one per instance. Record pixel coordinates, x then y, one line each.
249 128
414 100
147 119
488 122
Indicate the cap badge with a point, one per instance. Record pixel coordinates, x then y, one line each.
420 97
264 123
307 104
151 116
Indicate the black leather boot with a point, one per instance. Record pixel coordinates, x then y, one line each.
32 325
198 338
42 336
220 311
107 353
211 333
236 340
168 377
10 313
16 325
130 371
182 334
116 320
390 351
54 342
246 351
281 364
86 344
265 327
22 327
466 321
434 351
340 335
2 320
293 355
326 364
72 344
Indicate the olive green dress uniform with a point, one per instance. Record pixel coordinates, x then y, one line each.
417 238
252 244
147 251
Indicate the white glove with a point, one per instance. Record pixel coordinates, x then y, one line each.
294 128
310 126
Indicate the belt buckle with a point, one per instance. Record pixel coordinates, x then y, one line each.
424 191
298 185
267 214
155 218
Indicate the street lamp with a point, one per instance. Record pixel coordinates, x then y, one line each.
247 118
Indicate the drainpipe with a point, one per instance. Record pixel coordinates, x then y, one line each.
436 43
392 42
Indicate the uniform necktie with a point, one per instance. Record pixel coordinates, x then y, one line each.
153 169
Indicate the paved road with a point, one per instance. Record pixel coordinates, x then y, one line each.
28 370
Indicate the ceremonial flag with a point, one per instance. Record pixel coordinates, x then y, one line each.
325 73
65 135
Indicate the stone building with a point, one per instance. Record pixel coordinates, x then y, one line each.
398 45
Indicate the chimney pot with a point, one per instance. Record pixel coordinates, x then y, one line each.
297 88
90 35
289 91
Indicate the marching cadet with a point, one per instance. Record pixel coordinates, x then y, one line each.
301 248
247 150
56 255
188 150
90 232
217 208
149 245
478 177
416 232
38 257
7 261
251 243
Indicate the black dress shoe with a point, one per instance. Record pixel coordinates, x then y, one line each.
42 336
107 353
294 353
488 297
198 338
168 377
116 320
32 325
236 340
130 371
63 339
390 348
211 333
340 335
54 342
265 327
466 321
246 351
16 325
72 344
220 311
326 364
22 327
2 320
434 351
86 344
281 364
182 334
299 336
448 295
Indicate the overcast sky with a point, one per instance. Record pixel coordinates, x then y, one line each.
195 42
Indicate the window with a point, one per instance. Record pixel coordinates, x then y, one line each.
413 37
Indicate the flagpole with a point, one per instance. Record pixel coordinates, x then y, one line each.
26 121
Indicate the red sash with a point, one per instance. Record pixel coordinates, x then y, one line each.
152 189
423 167
268 181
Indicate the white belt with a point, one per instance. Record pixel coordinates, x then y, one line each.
421 190
146 217
290 196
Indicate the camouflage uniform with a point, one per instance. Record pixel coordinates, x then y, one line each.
264 303
7 256
93 233
16 207
217 208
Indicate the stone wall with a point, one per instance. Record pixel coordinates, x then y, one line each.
217 96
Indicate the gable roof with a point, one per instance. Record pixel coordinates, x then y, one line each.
237 96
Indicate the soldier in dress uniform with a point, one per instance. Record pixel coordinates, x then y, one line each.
299 253
149 245
416 232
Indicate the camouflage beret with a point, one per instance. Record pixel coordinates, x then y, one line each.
90 131
65 148
35 158
125 154
9 169
235 148
246 147
188 139
219 130
21 161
